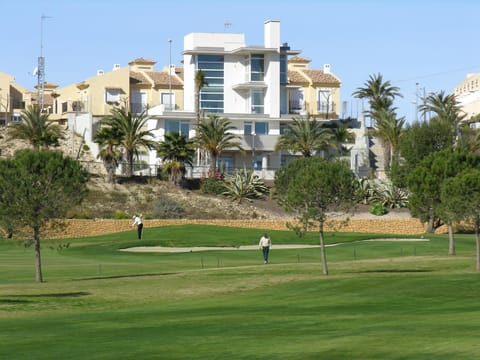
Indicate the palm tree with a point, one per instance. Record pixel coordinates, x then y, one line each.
446 109
341 135
108 138
199 84
177 151
306 136
389 130
36 129
380 94
133 137
215 136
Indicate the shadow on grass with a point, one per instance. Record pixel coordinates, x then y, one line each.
23 299
123 276
395 271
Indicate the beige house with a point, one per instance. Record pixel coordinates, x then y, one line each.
467 94
13 99
313 91
136 87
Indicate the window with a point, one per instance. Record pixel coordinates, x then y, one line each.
261 128
324 101
247 128
181 127
258 101
168 99
257 128
112 96
283 70
225 164
139 102
16 117
211 96
257 67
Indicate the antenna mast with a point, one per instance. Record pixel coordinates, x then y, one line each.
41 68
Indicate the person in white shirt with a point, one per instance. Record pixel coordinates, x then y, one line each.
264 245
137 220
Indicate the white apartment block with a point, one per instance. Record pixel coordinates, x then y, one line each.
250 86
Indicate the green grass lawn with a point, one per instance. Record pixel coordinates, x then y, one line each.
382 300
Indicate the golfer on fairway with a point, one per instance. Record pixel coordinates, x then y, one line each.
137 220
264 245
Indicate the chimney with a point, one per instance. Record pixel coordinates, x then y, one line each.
326 69
272 34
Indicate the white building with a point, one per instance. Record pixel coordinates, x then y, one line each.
250 86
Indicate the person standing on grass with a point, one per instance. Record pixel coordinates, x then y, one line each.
264 245
137 220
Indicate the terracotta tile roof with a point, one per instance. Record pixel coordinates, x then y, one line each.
299 59
296 77
162 78
319 77
138 78
179 72
142 60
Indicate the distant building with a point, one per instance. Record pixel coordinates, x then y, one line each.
13 99
260 89
467 94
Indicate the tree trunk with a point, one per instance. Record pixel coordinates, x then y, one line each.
430 226
477 238
451 240
323 252
213 163
129 164
38 261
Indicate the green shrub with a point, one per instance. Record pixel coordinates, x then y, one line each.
118 215
212 186
378 209
167 208
82 214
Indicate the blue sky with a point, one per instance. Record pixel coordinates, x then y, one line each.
432 43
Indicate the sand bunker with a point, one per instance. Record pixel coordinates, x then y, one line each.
167 249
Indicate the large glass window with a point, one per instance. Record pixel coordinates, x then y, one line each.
283 70
261 128
258 101
211 96
181 127
257 67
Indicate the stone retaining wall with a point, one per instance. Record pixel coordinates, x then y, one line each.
82 228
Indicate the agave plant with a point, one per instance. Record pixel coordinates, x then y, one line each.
364 190
244 184
390 195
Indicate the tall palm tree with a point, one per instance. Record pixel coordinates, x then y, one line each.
108 138
380 94
133 136
214 136
36 128
389 130
199 84
446 109
306 136
177 151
